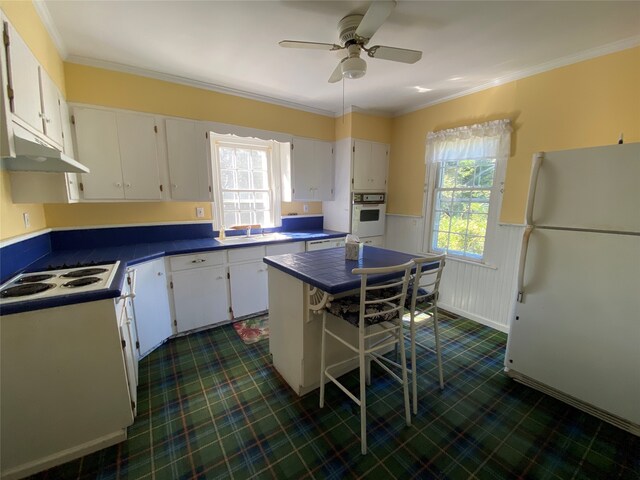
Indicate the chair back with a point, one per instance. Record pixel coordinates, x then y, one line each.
425 284
379 302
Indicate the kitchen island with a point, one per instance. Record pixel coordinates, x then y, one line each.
300 285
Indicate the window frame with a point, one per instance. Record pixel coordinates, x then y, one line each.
489 255
273 173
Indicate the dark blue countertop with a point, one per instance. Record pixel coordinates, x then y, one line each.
330 271
133 254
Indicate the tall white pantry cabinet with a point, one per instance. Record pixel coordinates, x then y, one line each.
360 166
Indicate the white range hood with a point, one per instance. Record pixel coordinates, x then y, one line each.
33 156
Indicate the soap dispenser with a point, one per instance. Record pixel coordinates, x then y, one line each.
222 235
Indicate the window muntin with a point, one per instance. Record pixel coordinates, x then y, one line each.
462 197
245 184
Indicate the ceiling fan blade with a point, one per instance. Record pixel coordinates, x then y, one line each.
336 76
378 12
395 54
309 45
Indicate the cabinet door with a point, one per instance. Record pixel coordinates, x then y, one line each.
189 173
378 166
304 169
200 297
361 161
249 291
51 108
139 156
67 138
324 171
25 82
151 305
97 142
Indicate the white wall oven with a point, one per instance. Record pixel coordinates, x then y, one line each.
368 214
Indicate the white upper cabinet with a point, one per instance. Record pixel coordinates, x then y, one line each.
34 98
370 164
51 108
25 82
139 156
312 169
189 170
120 150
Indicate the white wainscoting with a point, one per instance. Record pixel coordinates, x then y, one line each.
482 293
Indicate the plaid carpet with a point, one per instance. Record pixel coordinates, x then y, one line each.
213 407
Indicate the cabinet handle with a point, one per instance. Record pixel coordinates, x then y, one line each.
173 185
41 114
47 119
160 274
128 185
118 184
220 278
198 260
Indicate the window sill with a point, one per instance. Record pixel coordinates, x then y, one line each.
451 258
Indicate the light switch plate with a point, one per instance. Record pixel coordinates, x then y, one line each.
27 220
305 208
199 212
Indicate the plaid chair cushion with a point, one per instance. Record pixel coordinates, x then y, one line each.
348 308
421 303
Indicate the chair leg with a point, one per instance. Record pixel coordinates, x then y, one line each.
405 379
436 334
414 365
322 359
363 393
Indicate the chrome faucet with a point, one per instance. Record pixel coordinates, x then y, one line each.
248 231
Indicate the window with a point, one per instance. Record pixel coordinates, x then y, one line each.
246 190
465 187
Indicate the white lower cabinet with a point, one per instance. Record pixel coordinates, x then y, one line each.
373 241
150 304
249 292
200 297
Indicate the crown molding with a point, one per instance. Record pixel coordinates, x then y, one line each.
119 67
528 72
49 25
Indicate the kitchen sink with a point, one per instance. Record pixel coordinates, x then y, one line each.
239 240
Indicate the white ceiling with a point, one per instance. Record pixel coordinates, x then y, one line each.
234 45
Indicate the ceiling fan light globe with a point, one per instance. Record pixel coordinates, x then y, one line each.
353 68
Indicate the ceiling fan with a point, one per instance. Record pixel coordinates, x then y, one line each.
355 31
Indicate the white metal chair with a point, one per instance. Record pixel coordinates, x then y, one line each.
365 310
422 297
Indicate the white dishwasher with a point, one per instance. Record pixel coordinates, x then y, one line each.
326 243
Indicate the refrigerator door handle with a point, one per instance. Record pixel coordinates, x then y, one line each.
535 169
523 260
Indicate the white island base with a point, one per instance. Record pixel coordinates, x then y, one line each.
295 334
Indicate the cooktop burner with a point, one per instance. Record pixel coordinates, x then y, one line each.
85 272
81 282
34 278
26 289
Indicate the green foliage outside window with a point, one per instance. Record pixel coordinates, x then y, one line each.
462 196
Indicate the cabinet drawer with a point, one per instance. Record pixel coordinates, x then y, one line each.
244 254
185 262
282 248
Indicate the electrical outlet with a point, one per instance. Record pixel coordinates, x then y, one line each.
199 212
305 208
27 220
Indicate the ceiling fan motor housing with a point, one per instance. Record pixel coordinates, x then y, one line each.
347 30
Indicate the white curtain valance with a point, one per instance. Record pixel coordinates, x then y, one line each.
483 140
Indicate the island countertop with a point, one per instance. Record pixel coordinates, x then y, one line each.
330 271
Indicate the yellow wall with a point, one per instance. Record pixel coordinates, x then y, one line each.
26 21
581 105
364 127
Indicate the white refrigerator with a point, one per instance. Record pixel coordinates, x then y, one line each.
575 334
